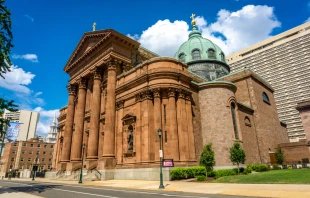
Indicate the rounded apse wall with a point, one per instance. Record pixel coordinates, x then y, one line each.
216 118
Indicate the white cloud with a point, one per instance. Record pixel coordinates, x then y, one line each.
308 20
37 94
46 119
232 31
16 80
29 17
30 57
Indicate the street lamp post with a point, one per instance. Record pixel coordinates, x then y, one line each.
34 168
81 172
161 185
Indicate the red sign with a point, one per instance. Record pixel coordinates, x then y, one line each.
168 163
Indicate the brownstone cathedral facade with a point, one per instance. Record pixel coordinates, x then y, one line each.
120 94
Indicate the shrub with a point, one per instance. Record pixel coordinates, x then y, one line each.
211 173
200 177
276 167
259 167
247 170
188 172
279 155
241 170
222 173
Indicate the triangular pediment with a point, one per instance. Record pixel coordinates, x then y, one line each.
129 116
88 41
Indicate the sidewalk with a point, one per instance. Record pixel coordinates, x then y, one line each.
254 190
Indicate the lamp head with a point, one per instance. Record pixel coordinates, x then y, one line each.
159 132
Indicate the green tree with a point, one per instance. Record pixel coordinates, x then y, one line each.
4 122
207 157
279 155
5 39
237 155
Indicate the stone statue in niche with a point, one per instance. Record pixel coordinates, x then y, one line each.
130 139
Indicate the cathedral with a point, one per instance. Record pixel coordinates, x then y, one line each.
121 94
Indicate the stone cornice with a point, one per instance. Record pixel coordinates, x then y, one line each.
245 107
212 84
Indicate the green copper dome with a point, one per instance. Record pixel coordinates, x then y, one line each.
203 57
207 49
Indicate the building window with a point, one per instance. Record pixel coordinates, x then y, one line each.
222 56
30 152
266 98
24 144
38 152
43 159
49 159
14 152
51 153
15 144
29 159
211 54
44 153
23 151
11 166
12 159
39 145
45 146
52 146
21 159
182 57
233 113
196 54
247 121
165 115
166 136
31 145
49 167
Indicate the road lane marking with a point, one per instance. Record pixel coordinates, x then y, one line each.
118 190
84 193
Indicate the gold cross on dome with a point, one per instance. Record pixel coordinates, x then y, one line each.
193 16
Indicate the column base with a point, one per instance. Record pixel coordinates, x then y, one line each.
106 163
92 157
72 166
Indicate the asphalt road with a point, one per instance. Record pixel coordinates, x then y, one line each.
53 190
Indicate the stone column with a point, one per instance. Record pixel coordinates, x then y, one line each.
92 149
76 154
190 131
157 120
173 134
182 128
109 134
68 125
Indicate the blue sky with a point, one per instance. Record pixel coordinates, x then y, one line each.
46 33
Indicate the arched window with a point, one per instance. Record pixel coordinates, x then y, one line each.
233 113
182 57
196 54
247 121
222 56
265 98
211 54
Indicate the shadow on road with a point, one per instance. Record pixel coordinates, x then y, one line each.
27 189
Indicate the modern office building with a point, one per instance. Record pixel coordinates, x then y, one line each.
29 120
284 62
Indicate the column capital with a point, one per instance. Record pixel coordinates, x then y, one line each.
72 89
82 83
181 93
119 105
138 97
171 92
156 92
188 97
146 95
112 63
97 73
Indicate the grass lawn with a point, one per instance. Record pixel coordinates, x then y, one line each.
296 176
